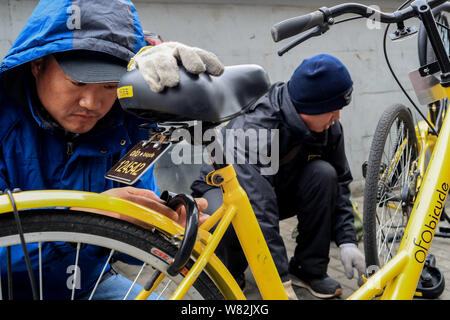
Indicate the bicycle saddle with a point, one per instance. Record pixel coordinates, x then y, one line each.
197 97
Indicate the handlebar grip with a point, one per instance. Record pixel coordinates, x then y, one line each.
291 27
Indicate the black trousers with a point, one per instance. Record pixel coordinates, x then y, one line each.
310 194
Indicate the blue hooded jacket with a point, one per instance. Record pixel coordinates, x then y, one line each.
35 155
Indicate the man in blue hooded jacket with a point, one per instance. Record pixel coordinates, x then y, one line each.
61 126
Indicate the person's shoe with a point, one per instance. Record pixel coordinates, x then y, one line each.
322 287
287 285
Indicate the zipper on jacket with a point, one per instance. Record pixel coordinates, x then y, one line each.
71 137
69 150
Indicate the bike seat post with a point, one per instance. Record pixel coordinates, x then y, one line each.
216 152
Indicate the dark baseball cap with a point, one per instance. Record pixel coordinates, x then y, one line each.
91 66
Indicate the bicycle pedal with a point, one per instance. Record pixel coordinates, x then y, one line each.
431 283
394 237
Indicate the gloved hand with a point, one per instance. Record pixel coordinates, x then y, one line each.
351 258
159 67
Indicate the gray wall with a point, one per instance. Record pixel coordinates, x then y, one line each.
239 32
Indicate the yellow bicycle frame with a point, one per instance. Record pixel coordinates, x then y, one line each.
248 232
236 209
398 278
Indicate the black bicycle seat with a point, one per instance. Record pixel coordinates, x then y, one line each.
197 97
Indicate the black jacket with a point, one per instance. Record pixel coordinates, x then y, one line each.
297 145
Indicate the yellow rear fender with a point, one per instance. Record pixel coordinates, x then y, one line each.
124 210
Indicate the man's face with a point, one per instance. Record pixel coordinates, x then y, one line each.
74 105
320 122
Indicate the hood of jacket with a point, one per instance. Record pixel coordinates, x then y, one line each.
107 26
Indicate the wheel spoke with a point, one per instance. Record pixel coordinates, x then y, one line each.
75 274
134 281
163 290
101 273
41 296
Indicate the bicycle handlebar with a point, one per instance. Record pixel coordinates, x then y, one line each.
293 26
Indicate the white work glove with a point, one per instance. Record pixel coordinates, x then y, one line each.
159 64
351 258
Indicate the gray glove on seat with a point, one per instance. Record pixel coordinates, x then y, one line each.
159 64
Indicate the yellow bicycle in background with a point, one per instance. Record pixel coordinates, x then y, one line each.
398 158
179 263
396 178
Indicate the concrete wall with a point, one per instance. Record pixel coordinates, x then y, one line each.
239 32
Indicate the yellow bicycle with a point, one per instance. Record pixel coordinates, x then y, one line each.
175 262
398 158
399 154
171 262
396 177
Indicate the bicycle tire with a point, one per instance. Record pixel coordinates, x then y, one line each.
382 176
121 236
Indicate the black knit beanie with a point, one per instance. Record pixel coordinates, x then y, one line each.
320 84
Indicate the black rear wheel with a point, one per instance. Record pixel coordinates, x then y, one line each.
390 185
73 232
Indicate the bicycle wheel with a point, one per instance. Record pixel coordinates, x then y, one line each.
73 231
390 185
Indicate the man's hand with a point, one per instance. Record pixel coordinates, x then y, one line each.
351 258
202 204
159 64
150 200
